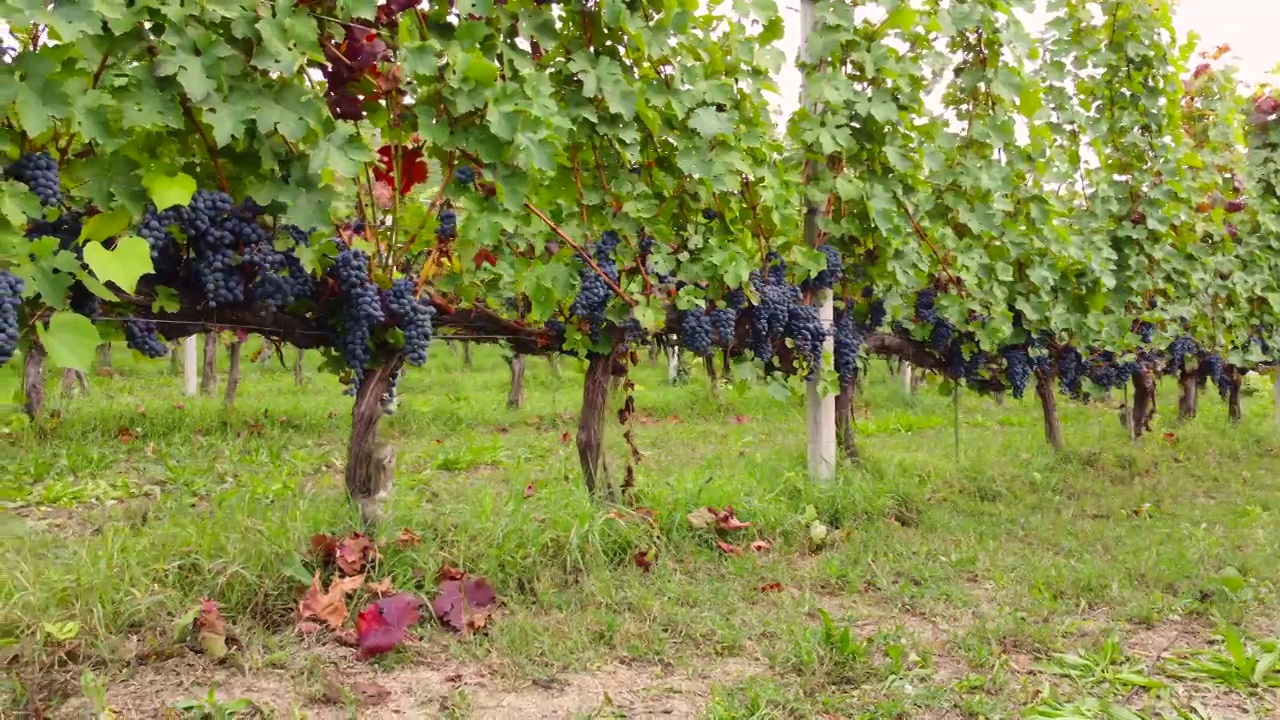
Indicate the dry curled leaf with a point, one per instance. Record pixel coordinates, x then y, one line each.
761 546
644 559
382 625
381 588
702 517
528 490
728 549
449 572
771 587
726 520
354 553
211 630
329 607
408 538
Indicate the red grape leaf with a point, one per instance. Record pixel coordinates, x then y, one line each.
462 605
331 606
381 626
413 169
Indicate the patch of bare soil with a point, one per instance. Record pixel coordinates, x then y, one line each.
334 687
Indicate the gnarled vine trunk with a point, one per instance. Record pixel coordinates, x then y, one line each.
844 419
74 381
297 367
1188 396
595 393
1144 401
33 381
1049 409
370 464
1234 379
209 370
515 394
553 362
466 355
104 357
233 374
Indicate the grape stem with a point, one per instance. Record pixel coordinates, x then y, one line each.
577 181
578 249
955 282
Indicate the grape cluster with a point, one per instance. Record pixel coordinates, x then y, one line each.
1017 368
848 342
11 287
141 335
465 175
593 296
1211 369
280 279
770 317
215 234
1070 371
805 327
710 214
723 322
831 274
447 229
361 309
1106 372
166 256
1179 349
695 331
39 172
736 299
1145 330
66 230
414 320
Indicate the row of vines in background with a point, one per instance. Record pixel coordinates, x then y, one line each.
1081 204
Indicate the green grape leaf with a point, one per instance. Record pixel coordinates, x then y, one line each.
70 340
130 260
166 300
167 191
105 225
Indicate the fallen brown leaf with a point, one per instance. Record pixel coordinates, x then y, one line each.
761 546
528 490
329 607
354 553
728 549
449 572
382 588
644 559
771 587
408 538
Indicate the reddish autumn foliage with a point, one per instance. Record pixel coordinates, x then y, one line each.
413 168
464 605
382 625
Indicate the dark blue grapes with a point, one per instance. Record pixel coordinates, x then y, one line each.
214 235
166 255
770 317
593 296
831 274
848 342
465 175
805 328
414 320
447 229
39 172
141 335
925 301
361 309
695 331
1179 349
1017 368
723 323
1070 371
11 287
280 279
736 299
1146 331
710 214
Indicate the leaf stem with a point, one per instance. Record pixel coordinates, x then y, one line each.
578 249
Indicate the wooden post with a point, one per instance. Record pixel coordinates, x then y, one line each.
33 380
233 374
673 362
190 367
208 372
515 394
821 407
908 382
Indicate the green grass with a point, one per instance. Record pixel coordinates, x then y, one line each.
952 585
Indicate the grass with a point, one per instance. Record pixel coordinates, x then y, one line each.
1008 580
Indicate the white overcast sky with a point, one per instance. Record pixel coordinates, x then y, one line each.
1250 27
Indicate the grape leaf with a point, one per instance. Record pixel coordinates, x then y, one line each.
70 340
105 225
166 300
130 260
167 191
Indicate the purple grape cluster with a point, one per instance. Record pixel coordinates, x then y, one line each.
1017 368
447 229
11 287
831 274
848 342
695 331
39 172
280 279
361 309
465 175
804 326
724 322
593 296
414 320
141 335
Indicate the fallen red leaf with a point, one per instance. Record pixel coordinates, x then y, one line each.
728 549
647 514
464 605
125 435
408 538
564 437
1171 438
740 419
211 630
644 559
179 406
727 521
761 546
382 625
354 552
528 490
323 547
329 607
771 587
